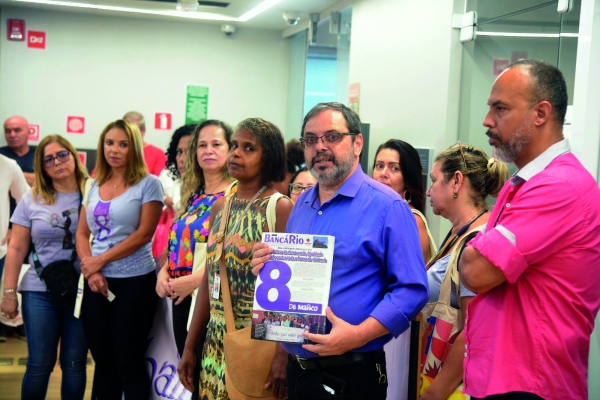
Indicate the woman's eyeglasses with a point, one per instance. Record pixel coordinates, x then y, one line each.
297 189
50 161
311 140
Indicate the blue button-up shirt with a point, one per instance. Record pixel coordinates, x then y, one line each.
378 267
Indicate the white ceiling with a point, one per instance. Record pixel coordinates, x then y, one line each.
269 19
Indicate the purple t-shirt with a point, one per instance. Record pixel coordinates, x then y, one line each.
112 221
53 228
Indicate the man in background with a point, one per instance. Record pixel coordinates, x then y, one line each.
155 158
16 133
536 268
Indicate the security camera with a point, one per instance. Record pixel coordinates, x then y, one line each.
291 17
228 29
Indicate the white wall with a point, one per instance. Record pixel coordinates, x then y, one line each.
406 57
101 67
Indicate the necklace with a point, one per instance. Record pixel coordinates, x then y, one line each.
447 244
206 191
238 221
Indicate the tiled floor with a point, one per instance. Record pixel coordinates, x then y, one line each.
13 358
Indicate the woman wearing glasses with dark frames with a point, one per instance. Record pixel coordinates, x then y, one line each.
300 182
47 216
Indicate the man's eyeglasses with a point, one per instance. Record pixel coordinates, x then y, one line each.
62 156
297 189
331 138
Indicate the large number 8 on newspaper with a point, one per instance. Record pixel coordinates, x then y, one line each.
282 300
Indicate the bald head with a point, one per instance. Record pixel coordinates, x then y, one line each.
138 119
16 132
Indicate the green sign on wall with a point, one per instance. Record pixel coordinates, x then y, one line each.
196 104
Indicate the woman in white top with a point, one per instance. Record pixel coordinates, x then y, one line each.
170 177
121 213
397 165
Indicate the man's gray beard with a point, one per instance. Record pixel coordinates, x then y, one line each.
340 170
510 151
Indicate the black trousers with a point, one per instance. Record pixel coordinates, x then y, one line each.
117 335
511 396
180 318
365 380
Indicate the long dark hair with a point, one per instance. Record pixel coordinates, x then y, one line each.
171 153
412 171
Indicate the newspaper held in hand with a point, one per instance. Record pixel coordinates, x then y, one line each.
292 289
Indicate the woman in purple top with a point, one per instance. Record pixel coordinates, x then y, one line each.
121 213
47 216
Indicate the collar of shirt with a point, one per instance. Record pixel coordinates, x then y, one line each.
540 163
349 188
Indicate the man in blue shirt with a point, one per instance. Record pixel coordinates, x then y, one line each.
378 281
16 132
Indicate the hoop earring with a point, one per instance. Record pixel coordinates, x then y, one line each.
407 199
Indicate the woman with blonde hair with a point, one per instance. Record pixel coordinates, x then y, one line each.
462 178
121 212
47 218
205 180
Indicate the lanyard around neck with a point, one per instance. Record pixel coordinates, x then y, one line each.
447 244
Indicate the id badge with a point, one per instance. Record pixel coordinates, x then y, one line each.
216 287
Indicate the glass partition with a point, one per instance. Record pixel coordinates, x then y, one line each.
506 32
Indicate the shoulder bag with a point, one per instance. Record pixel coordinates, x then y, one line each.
442 323
59 276
247 361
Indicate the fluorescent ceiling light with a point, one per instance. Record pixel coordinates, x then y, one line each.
533 35
265 5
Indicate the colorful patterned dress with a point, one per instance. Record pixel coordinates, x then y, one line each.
187 230
243 230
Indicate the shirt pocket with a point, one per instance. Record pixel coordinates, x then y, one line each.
345 251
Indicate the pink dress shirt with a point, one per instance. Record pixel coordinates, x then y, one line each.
532 332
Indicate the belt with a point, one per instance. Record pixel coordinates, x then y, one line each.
335 361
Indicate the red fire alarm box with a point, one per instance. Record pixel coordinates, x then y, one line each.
15 29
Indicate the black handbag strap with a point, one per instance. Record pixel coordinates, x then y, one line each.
36 260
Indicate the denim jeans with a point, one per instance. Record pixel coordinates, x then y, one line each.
47 322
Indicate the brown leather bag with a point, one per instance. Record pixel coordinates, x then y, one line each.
247 361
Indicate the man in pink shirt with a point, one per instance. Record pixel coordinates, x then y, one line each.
536 268
155 158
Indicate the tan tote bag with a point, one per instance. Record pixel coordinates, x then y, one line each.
247 361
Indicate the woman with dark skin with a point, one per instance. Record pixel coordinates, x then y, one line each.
256 158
